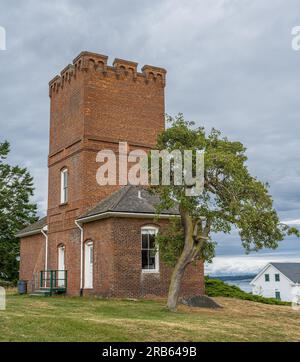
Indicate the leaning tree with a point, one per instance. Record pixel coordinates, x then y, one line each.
231 198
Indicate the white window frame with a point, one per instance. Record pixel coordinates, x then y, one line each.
64 186
156 270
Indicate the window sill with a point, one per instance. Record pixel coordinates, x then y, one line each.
63 204
144 271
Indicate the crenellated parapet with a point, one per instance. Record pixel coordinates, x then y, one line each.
125 68
156 74
121 69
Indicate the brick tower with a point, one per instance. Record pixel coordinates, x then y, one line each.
93 107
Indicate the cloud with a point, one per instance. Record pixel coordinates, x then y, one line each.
230 65
292 222
246 264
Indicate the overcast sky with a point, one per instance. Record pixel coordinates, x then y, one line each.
230 65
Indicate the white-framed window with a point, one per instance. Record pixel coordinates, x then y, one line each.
64 186
149 251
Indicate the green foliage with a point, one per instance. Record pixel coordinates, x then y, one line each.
16 211
232 198
171 243
7 284
217 288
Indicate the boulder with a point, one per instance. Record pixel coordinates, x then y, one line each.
202 301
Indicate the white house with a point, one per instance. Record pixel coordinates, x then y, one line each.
278 280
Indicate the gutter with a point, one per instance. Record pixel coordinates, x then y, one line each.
28 233
123 214
43 231
81 255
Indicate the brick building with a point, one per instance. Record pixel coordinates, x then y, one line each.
102 235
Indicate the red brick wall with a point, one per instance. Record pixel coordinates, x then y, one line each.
70 239
123 105
117 262
94 106
32 252
101 233
129 278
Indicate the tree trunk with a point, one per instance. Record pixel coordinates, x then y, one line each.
189 253
176 279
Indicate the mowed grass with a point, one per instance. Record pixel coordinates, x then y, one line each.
82 319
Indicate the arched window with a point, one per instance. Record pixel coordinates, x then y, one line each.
88 264
150 256
64 186
61 265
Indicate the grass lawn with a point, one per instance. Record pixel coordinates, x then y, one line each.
83 319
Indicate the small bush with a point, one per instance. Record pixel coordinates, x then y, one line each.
217 288
7 284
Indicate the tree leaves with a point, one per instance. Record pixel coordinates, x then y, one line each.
16 211
231 198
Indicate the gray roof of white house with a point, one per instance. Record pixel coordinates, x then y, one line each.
129 199
290 270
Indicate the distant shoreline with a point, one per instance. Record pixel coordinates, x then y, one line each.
233 277
240 280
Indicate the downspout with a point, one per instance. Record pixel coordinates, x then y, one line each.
81 256
43 231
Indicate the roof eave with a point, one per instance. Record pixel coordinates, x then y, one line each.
259 274
123 214
28 233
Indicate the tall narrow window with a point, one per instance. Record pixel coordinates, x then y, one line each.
64 186
267 277
150 259
277 277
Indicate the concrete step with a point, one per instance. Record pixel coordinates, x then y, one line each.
40 293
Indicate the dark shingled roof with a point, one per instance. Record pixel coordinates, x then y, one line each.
127 200
290 270
37 226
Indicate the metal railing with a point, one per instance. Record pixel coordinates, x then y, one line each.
54 280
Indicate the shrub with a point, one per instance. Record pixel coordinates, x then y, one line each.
7 284
217 288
